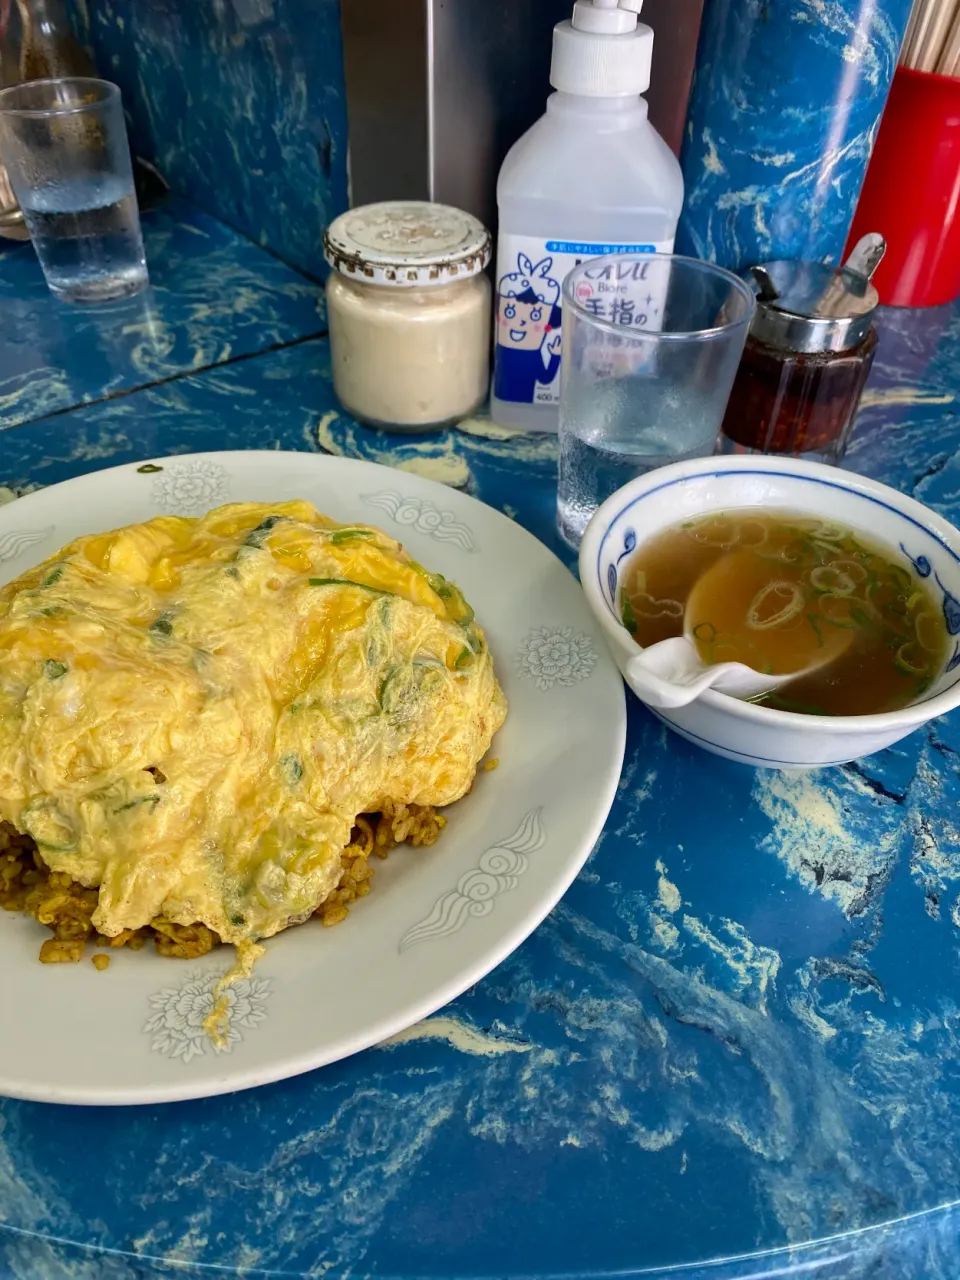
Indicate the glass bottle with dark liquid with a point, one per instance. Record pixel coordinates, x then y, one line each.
806 359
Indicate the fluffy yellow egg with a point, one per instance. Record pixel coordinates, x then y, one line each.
194 712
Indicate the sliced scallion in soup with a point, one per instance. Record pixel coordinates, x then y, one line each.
782 588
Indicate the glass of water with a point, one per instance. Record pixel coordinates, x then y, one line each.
64 143
651 344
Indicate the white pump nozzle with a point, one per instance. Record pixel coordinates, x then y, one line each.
603 17
602 51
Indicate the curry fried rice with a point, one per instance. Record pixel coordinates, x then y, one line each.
27 884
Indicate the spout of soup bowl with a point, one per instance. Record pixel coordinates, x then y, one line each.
726 725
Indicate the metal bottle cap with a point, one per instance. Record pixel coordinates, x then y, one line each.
810 307
402 243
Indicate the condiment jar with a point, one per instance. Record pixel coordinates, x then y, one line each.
409 313
806 359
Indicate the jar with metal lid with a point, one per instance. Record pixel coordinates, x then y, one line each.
806 359
409 313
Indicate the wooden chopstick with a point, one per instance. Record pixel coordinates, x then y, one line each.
910 32
950 55
932 39
925 11
929 52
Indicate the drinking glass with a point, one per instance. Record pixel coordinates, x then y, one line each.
64 143
651 344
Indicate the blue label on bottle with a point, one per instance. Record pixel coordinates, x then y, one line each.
530 275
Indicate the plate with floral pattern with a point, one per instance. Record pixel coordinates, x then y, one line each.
438 919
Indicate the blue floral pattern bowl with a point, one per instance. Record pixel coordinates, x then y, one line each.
742 731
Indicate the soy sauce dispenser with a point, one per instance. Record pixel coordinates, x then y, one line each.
807 357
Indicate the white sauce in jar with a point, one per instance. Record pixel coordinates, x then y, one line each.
412 357
409 313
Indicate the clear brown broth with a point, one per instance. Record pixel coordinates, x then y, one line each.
792 584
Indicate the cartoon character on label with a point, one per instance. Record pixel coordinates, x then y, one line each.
528 331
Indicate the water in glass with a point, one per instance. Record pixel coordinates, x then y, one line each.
617 430
87 237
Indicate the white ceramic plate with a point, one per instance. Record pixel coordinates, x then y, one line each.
437 919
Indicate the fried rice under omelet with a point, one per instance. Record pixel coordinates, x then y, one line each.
195 715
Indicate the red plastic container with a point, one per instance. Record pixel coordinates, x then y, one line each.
911 193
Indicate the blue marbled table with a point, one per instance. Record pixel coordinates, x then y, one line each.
733 1049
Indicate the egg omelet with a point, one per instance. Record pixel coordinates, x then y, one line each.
193 712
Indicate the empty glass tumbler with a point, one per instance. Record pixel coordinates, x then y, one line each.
651 344
64 143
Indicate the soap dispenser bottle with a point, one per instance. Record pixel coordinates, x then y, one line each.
591 177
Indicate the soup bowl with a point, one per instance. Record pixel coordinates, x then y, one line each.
758 735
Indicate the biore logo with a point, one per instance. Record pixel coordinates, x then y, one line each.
619 271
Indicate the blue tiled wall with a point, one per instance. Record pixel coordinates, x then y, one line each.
786 103
239 104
